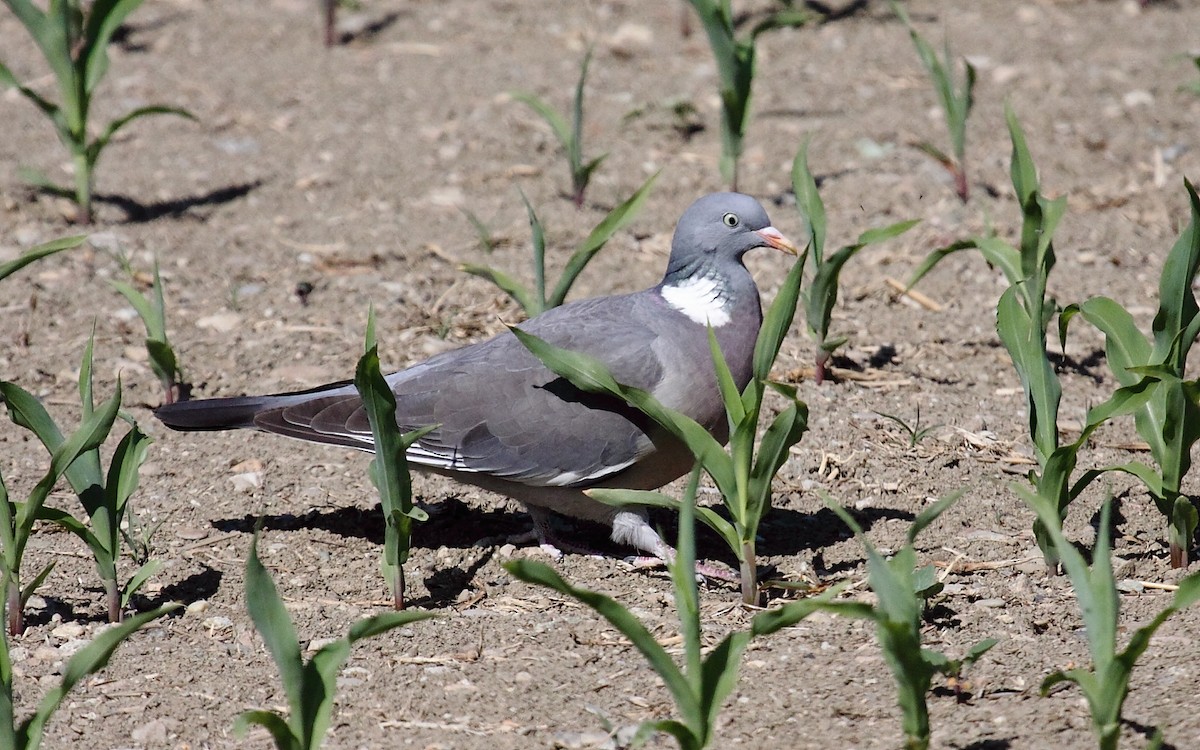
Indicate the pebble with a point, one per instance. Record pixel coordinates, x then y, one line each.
197 607
316 644
217 623
250 480
220 322
151 733
68 631
991 603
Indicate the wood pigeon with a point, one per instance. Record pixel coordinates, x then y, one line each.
509 425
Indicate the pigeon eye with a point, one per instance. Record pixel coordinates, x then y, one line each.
731 220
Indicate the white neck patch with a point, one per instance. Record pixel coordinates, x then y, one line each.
700 299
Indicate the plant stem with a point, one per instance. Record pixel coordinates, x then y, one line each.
398 589
16 618
749 574
83 188
960 182
113 594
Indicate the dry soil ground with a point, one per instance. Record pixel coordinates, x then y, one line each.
346 169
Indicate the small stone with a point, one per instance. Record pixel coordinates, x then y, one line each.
250 480
316 644
45 653
220 322
197 607
216 623
68 631
151 733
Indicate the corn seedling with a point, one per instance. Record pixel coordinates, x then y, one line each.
73 37
744 473
153 312
389 469
1023 315
27 735
902 589
1169 420
570 135
955 101
487 240
1194 84
702 684
534 301
822 293
916 433
310 685
37 253
17 518
104 496
1106 685
735 58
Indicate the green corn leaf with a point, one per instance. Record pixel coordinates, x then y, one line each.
574 145
930 513
138 301
562 131
138 579
786 18
34 584
323 670
734 407
507 284
687 598
620 618
589 374
778 320
616 220
1024 173
97 146
1124 344
823 292
648 499
38 179
87 661
123 470
389 469
272 622
40 251
1177 303
891 231
539 259
785 430
808 200
996 252
103 20
281 733
1026 345
70 523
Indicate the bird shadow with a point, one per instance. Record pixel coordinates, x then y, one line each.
201 585
456 525
196 587
1002 743
446 584
371 30
451 523
137 212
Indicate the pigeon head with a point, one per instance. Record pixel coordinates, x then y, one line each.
705 278
719 229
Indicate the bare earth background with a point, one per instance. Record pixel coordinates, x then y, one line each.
345 169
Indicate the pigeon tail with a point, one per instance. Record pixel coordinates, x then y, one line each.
237 412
